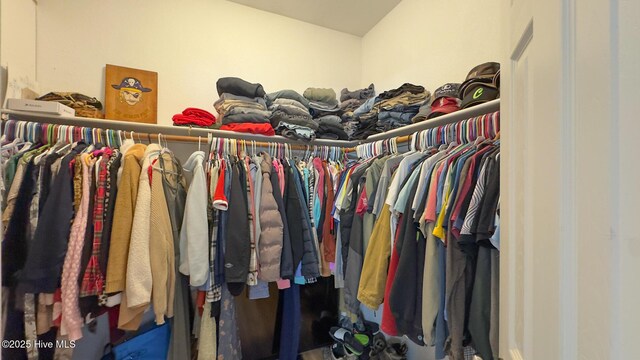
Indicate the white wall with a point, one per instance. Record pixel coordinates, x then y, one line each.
18 38
431 42
190 44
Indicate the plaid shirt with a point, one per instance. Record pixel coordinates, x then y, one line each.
214 293
93 279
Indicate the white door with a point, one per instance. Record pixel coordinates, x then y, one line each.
570 197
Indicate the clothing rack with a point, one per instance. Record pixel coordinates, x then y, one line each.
152 132
486 126
171 133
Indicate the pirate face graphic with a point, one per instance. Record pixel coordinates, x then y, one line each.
131 90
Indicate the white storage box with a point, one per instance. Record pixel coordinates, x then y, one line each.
49 107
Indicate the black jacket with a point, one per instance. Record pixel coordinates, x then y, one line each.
405 298
238 246
310 257
294 215
15 245
43 267
286 259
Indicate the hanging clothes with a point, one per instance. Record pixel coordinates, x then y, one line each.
415 232
271 226
194 234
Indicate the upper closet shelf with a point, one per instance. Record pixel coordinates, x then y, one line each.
464 114
162 129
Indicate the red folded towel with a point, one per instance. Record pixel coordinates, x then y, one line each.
195 117
261 129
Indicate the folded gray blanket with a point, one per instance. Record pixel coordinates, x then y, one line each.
278 115
296 103
330 120
237 86
361 94
351 104
289 109
244 118
246 110
228 96
330 127
287 94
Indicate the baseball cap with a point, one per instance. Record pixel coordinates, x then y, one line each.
478 92
446 90
484 73
444 105
484 70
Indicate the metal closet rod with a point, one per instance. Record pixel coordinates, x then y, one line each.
151 137
454 117
179 133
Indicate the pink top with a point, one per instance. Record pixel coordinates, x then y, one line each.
71 268
280 169
317 163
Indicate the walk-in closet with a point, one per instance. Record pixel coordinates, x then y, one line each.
294 179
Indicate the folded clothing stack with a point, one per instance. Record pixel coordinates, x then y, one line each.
324 107
242 106
321 102
367 126
389 110
367 120
349 102
330 127
397 107
290 115
194 117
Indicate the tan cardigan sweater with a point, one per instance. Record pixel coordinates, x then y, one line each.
139 281
123 218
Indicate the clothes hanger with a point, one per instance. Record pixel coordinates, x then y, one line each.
107 139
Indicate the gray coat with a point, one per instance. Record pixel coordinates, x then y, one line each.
271 234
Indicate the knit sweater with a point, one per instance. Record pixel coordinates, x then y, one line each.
123 218
161 246
139 280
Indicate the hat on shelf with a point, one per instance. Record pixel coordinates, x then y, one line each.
478 92
485 70
481 85
496 79
444 105
451 90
